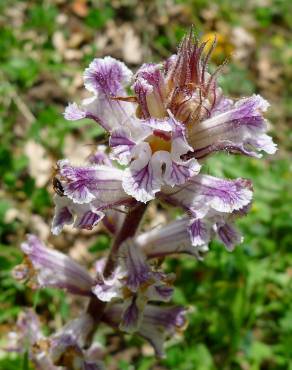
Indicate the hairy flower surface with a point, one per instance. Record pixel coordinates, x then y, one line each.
135 282
162 123
49 268
176 116
67 346
157 324
88 192
28 336
63 350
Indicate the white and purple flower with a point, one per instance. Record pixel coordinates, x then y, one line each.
153 154
45 267
212 205
176 115
88 192
158 323
159 138
65 348
168 240
133 281
239 129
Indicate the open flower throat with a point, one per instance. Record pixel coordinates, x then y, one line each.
159 141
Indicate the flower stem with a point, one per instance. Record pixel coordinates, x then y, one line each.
129 228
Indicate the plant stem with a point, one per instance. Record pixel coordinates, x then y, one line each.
129 228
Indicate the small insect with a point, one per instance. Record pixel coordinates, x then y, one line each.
58 187
101 138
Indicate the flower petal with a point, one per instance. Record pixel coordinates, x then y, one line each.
106 292
87 219
106 289
122 145
85 184
86 216
160 292
107 76
172 238
108 112
100 157
224 104
63 214
73 112
262 142
162 124
66 346
29 338
150 90
199 231
79 329
132 314
221 195
238 130
142 89
28 328
158 323
134 262
141 180
179 171
228 234
89 108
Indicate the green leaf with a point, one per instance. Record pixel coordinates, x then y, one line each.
25 361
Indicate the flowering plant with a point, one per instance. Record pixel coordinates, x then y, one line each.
159 139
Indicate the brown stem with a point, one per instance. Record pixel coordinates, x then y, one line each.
129 228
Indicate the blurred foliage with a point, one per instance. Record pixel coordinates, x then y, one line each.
241 316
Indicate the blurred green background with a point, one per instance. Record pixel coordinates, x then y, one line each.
242 301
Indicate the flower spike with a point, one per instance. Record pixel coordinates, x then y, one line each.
159 136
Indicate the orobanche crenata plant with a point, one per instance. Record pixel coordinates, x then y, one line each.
159 137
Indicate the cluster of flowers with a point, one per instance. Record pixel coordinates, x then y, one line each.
159 138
